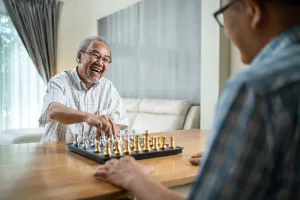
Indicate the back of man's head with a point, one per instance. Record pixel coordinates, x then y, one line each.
251 24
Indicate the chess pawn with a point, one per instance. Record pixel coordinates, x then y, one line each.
159 141
172 144
118 151
111 143
154 143
162 143
127 149
107 152
133 143
93 141
137 147
151 142
133 132
75 142
97 147
102 140
84 143
146 147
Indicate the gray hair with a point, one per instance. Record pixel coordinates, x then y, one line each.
86 42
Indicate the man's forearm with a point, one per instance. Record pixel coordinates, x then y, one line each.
66 115
144 188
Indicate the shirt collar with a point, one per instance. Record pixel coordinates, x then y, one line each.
276 46
78 81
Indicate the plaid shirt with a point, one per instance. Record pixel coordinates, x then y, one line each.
67 89
254 148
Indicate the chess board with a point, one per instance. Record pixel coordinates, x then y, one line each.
89 152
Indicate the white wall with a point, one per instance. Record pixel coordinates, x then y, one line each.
215 62
78 20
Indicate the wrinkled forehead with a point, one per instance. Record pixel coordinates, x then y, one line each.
99 47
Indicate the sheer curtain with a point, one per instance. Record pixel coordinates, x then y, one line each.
21 87
156 49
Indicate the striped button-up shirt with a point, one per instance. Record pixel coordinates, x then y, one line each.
254 148
68 89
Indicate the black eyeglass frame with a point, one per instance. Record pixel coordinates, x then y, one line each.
99 57
222 10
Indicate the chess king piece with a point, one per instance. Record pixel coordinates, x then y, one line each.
162 143
146 146
172 144
137 147
118 151
127 149
97 147
107 152
154 143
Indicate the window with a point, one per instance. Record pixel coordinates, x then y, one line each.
21 87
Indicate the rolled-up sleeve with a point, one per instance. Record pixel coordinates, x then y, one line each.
234 164
55 93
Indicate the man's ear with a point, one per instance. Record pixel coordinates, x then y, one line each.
78 58
254 9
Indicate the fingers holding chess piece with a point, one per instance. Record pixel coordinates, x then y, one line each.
127 149
172 143
154 143
162 143
107 152
118 151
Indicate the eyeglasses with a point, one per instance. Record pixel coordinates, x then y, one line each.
219 16
105 60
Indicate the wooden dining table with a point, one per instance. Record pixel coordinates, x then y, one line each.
50 171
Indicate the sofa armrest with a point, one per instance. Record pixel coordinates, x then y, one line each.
192 120
17 136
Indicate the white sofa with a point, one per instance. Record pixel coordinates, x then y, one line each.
158 115
154 115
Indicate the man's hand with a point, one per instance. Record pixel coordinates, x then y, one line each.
195 159
122 172
103 123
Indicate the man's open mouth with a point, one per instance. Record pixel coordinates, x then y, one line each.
94 69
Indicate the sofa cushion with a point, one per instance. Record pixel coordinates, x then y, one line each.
156 115
162 106
157 122
131 105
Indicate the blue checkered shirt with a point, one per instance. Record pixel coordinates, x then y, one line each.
254 148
